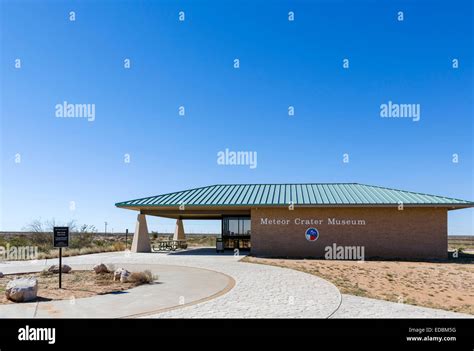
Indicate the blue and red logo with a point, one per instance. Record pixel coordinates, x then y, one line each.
312 234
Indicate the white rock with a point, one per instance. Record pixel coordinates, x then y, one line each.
124 276
119 272
101 268
22 289
55 268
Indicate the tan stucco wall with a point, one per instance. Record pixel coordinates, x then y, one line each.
388 232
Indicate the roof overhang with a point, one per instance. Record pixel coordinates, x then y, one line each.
246 196
217 212
195 213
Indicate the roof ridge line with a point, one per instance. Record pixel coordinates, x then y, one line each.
327 183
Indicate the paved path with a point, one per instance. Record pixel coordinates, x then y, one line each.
260 291
362 307
176 287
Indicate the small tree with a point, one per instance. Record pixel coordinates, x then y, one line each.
85 228
35 226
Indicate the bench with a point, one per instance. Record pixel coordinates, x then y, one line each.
169 245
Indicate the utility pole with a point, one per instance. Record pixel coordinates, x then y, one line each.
105 228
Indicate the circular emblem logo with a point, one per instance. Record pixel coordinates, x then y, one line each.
312 234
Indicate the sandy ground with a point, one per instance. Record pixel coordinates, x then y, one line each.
448 286
75 283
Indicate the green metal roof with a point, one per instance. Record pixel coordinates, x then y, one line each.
298 194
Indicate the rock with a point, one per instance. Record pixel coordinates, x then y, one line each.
55 268
22 289
117 273
101 268
121 274
124 276
1 275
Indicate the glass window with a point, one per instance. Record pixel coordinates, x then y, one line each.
245 226
233 226
236 225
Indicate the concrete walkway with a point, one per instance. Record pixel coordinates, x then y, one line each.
260 291
362 307
176 287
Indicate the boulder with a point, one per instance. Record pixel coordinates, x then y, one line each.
55 268
22 289
124 276
121 274
101 268
1 275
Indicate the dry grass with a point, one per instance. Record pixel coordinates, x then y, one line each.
447 285
141 277
461 243
80 243
88 243
53 253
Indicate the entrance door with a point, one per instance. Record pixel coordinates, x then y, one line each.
236 232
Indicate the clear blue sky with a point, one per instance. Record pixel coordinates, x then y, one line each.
191 63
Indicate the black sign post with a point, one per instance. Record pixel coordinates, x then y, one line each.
126 239
61 239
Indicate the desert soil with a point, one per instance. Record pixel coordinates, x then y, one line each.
76 284
448 286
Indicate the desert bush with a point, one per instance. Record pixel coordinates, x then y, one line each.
118 246
41 239
144 277
45 273
18 240
81 240
100 243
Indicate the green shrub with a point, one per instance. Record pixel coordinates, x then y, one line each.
80 240
41 239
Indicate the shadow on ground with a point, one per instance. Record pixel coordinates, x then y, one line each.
206 251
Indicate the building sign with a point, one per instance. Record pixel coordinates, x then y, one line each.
313 221
61 237
312 234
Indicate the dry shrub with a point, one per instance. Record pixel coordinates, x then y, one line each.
118 246
139 278
45 273
104 278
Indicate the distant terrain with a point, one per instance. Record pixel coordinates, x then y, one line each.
88 243
461 242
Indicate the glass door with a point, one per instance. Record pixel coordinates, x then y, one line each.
236 232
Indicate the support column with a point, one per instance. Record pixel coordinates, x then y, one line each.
141 240
179 230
